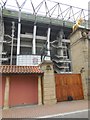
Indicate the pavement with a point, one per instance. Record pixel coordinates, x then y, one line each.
37 111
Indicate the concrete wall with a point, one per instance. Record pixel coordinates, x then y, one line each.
89 14
89 51
79 56
89 68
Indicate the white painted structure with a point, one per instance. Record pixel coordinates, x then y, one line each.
28 60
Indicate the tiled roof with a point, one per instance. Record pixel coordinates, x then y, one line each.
19 69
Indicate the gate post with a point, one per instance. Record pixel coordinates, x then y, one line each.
39 91
49 90
79 54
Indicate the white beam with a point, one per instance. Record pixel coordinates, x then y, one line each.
34 40
13 27
48 40
19 30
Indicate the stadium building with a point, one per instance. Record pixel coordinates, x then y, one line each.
24 34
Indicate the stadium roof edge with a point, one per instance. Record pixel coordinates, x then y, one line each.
39 19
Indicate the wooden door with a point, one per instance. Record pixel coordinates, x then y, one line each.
68 85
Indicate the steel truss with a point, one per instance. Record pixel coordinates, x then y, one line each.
48 8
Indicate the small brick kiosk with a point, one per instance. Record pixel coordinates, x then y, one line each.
20 85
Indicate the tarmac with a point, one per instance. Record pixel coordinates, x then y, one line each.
37 111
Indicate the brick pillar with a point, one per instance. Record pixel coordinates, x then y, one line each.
49 90
85 86
6 94
79 56
39 91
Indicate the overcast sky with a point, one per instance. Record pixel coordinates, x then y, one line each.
77 3
11 4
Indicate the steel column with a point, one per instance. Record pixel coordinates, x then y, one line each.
48 40
13 27
34 40
19 30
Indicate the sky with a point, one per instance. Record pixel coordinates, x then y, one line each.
29 9
78 3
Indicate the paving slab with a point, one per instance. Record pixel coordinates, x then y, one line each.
43 110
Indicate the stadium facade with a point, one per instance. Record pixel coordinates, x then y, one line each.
23 35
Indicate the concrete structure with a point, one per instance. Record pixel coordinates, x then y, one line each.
79 56
89 69
61 54
24 37
89 14
1 36
27 30
89 50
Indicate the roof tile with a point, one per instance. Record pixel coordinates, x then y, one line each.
19 69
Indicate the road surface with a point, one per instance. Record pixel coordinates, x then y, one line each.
74 114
